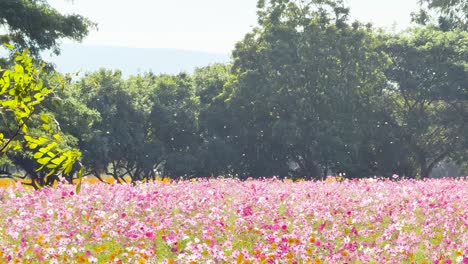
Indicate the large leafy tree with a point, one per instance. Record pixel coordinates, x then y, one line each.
428 96
146 124
35 25
173 121
111 138
76 120
306 80
219 152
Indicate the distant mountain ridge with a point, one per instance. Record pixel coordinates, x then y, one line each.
131 61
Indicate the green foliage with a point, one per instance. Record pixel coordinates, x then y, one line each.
305 81
103 93
173 121
22 94
218 152
307 94
447 15
35 25
427 97
21 91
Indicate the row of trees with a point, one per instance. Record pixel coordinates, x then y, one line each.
307 94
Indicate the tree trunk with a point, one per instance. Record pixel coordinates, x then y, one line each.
424 171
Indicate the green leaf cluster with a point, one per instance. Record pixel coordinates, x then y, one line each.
35 25
22 94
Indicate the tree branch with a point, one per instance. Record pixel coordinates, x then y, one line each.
20 126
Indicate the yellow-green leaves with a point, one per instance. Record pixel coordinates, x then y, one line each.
21 93
4 82
8 46
19 69
49 151
24 88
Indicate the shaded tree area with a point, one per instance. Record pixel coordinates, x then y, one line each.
428 94
308 94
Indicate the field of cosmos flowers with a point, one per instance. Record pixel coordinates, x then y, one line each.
233 221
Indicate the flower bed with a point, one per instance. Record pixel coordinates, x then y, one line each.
232 221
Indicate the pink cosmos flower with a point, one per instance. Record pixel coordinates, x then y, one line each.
322 226
150 235
247 211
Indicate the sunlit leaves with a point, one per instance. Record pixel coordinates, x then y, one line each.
25 89
21 93
48 151
8 46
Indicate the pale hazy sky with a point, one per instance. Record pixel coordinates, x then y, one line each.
200 25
